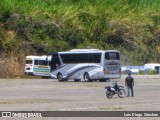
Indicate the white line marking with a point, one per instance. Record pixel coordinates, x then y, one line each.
98 107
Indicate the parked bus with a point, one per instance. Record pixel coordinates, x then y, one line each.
152 66
38 65
86 64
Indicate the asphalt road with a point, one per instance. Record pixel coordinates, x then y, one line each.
51 95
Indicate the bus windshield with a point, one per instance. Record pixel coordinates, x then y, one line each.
112 56
55 61
28 61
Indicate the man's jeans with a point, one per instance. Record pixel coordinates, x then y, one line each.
130 88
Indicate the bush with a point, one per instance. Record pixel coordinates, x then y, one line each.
151 72
141 72
11 67
43 26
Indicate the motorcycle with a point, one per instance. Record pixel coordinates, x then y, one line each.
115 89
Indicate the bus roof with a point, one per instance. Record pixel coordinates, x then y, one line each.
38 57
87 51
83 50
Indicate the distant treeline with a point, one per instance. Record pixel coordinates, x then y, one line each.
40 27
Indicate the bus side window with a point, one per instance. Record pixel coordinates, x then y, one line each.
95 58
43 62
49 63
36 62
28 61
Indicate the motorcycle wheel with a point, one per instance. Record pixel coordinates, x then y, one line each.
121 93
109 95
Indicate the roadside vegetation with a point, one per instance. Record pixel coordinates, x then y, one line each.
37 27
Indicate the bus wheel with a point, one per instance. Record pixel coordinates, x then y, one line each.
86 77
60 77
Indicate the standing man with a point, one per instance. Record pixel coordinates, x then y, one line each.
129 82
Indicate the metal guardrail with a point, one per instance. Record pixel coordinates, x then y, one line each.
143 76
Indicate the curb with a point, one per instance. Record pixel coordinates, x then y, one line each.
144 76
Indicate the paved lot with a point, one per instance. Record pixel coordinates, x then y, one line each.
50 95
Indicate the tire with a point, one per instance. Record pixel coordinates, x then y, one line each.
60 77
109 95
86 77
121 93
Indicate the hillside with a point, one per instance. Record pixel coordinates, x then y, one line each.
42 26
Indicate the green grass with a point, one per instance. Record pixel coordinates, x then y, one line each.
43 26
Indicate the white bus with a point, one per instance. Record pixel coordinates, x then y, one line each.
86 64
38 65
152 66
